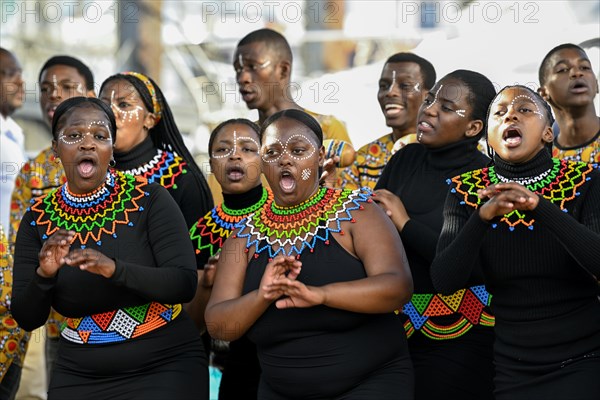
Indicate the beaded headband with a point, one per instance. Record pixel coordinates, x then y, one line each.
146 81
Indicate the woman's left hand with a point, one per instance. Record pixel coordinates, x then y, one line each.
298 295
393 207
329 176
92 261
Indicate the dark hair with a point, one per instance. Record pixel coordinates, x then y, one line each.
542 71
275 41
242 121
70 62
165 134
481 94
427 69
545 105
298 115
83 102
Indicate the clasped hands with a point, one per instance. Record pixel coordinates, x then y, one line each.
57 252
504 198
279 284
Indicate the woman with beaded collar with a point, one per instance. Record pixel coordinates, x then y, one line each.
106 251
150 145
532 223
235 162
313 278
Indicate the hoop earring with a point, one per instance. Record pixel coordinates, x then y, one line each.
112 163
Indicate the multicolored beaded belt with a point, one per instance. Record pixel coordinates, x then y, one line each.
119 325
469 304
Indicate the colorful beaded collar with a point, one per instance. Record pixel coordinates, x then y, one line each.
211 231
273 228
164 169
91 215
559 184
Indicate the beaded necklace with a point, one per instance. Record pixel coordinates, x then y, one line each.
91 215
164 168
211 231
299 227
559 185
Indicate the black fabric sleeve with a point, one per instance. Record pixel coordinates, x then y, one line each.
458 247
421 238
580 239
31 294
175 279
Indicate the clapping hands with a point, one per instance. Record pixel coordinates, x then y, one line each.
505 198
57 252
280 280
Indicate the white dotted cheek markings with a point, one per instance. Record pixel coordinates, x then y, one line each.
312 150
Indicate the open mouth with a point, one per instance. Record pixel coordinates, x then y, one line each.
287 181
424 127
50 112
512 136
247 94
579 87
393 109
235 173
86 167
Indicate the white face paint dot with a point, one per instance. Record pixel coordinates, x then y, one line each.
435 97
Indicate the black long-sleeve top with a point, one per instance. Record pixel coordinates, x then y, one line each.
419 177
541 266
149 244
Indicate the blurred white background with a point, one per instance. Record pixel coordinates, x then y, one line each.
339 48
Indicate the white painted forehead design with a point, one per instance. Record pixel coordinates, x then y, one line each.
266 158
233 149
528 99
125 115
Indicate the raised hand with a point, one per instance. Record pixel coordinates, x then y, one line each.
393 207
298 295
92 261
329 176
53 252
279 268
210 268
505 198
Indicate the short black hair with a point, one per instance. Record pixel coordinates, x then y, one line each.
83 102
233 121
545 105
69 61
427 69
298 115
274 40
542 71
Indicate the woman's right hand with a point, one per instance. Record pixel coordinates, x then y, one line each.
53 253
277 268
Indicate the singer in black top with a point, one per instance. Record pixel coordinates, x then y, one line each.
532 223
314 277
449 337
235 162
150 145
107 251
